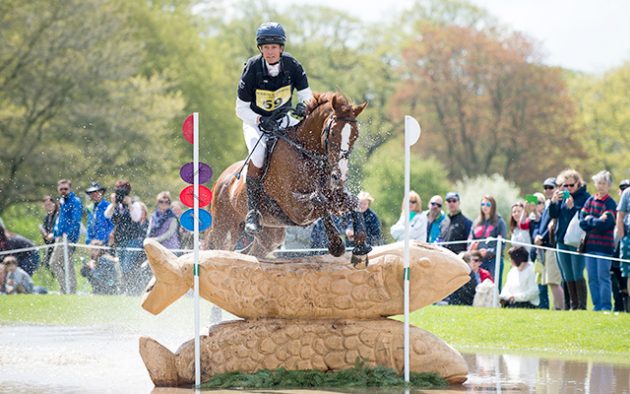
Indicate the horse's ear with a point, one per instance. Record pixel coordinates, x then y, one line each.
333 102
359 108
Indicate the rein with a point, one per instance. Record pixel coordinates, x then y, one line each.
315 155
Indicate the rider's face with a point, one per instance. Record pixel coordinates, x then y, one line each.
271 52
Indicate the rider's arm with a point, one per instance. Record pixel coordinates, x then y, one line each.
245 112
304 95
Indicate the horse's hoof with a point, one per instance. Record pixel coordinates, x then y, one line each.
337 249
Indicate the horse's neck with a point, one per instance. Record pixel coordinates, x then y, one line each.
309 133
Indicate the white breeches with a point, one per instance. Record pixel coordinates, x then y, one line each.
253 133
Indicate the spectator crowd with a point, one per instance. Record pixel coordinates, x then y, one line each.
555 235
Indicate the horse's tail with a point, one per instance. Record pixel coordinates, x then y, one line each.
168 283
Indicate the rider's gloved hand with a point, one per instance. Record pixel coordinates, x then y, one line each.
300 110
267 123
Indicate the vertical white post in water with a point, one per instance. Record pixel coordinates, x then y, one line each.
196 246
497 272
412 134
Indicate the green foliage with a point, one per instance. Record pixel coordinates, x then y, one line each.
603 113
472 190
74 105
361 375
384 179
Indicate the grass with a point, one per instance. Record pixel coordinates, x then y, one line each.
575 334
571 334
359 376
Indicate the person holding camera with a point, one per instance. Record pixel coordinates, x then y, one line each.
566 202
129 233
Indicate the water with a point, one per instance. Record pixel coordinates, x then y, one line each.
105 359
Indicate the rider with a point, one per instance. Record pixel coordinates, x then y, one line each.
267 83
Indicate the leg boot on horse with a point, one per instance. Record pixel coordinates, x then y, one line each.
254 195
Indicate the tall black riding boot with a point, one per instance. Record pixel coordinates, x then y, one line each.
581 293
567 296
573 295
254 193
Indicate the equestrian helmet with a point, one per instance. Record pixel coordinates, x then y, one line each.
270 33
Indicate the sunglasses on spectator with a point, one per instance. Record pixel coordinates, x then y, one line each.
435 204
451 200
548 187
412 201
486 204
475 260
622 188
63 189
164 201
568 185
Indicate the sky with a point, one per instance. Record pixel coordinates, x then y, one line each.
586 35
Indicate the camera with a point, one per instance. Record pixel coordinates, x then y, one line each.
120 195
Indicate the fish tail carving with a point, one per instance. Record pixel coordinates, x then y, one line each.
168 283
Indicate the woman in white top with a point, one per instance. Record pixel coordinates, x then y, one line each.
417 220
520 290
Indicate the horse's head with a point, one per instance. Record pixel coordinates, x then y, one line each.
340 133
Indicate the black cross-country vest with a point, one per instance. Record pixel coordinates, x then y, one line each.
266 93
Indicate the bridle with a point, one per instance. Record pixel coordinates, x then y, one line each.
343 153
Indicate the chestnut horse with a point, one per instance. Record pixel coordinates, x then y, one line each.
304 180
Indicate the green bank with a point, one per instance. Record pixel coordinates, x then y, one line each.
575 334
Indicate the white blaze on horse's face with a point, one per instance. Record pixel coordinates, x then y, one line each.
345 147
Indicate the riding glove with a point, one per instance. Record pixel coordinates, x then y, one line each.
300 110
267 123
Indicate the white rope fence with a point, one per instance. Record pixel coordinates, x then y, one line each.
305 252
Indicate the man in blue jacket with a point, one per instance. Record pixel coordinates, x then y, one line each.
98 226
68 224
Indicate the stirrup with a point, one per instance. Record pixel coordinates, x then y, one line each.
252 222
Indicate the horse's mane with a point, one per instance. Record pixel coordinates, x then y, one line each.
322 98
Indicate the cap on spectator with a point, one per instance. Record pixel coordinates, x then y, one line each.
550 182
451 195
94 187
624 183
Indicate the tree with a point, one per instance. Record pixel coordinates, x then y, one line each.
73 105
486 102
603 114
384 179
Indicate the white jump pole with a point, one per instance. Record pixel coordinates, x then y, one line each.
412 134
196 246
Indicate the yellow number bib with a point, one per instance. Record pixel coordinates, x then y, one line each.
268 100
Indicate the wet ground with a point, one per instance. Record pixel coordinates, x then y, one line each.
105 358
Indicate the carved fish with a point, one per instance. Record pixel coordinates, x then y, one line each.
312 288
249 346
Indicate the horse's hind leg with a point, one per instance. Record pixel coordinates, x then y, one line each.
267 240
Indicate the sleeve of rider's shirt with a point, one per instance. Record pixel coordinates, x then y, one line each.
304 95
245 113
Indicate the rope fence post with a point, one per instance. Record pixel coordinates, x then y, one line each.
66 264
497 272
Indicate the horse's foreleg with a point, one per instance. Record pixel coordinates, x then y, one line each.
335 243
362 246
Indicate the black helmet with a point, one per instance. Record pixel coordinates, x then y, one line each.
270 33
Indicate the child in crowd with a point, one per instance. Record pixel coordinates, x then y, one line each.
520 290
101 271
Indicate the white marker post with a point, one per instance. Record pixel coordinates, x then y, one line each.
196 246
412 134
